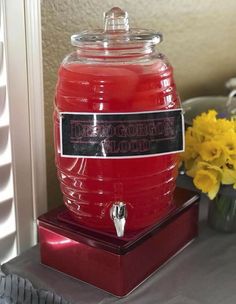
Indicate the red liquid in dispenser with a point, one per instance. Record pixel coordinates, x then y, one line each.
91 185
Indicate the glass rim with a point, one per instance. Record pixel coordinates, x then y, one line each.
119 39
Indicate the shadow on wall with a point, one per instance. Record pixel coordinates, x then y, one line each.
199 40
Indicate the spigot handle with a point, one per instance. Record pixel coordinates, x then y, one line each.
118 215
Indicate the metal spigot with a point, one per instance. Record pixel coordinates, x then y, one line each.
118 215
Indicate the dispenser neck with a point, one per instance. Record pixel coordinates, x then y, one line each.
113 54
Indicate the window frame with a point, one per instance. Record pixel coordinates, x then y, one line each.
26 114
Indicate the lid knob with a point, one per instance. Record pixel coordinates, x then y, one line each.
116 20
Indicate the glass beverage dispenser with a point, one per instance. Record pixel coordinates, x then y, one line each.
118 128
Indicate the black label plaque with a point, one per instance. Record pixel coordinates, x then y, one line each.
121 135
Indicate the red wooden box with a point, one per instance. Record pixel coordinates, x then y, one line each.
112 264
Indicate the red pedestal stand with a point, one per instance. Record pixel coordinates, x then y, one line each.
117 265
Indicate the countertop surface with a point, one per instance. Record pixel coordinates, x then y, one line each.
204 272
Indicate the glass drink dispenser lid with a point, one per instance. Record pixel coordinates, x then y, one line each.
116 34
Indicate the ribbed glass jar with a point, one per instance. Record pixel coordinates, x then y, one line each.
103 78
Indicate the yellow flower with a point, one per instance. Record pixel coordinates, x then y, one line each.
206 166
229 173
204 125
210 116
223 126
210 154
206 177
207 181
212 151
191 149
228 140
